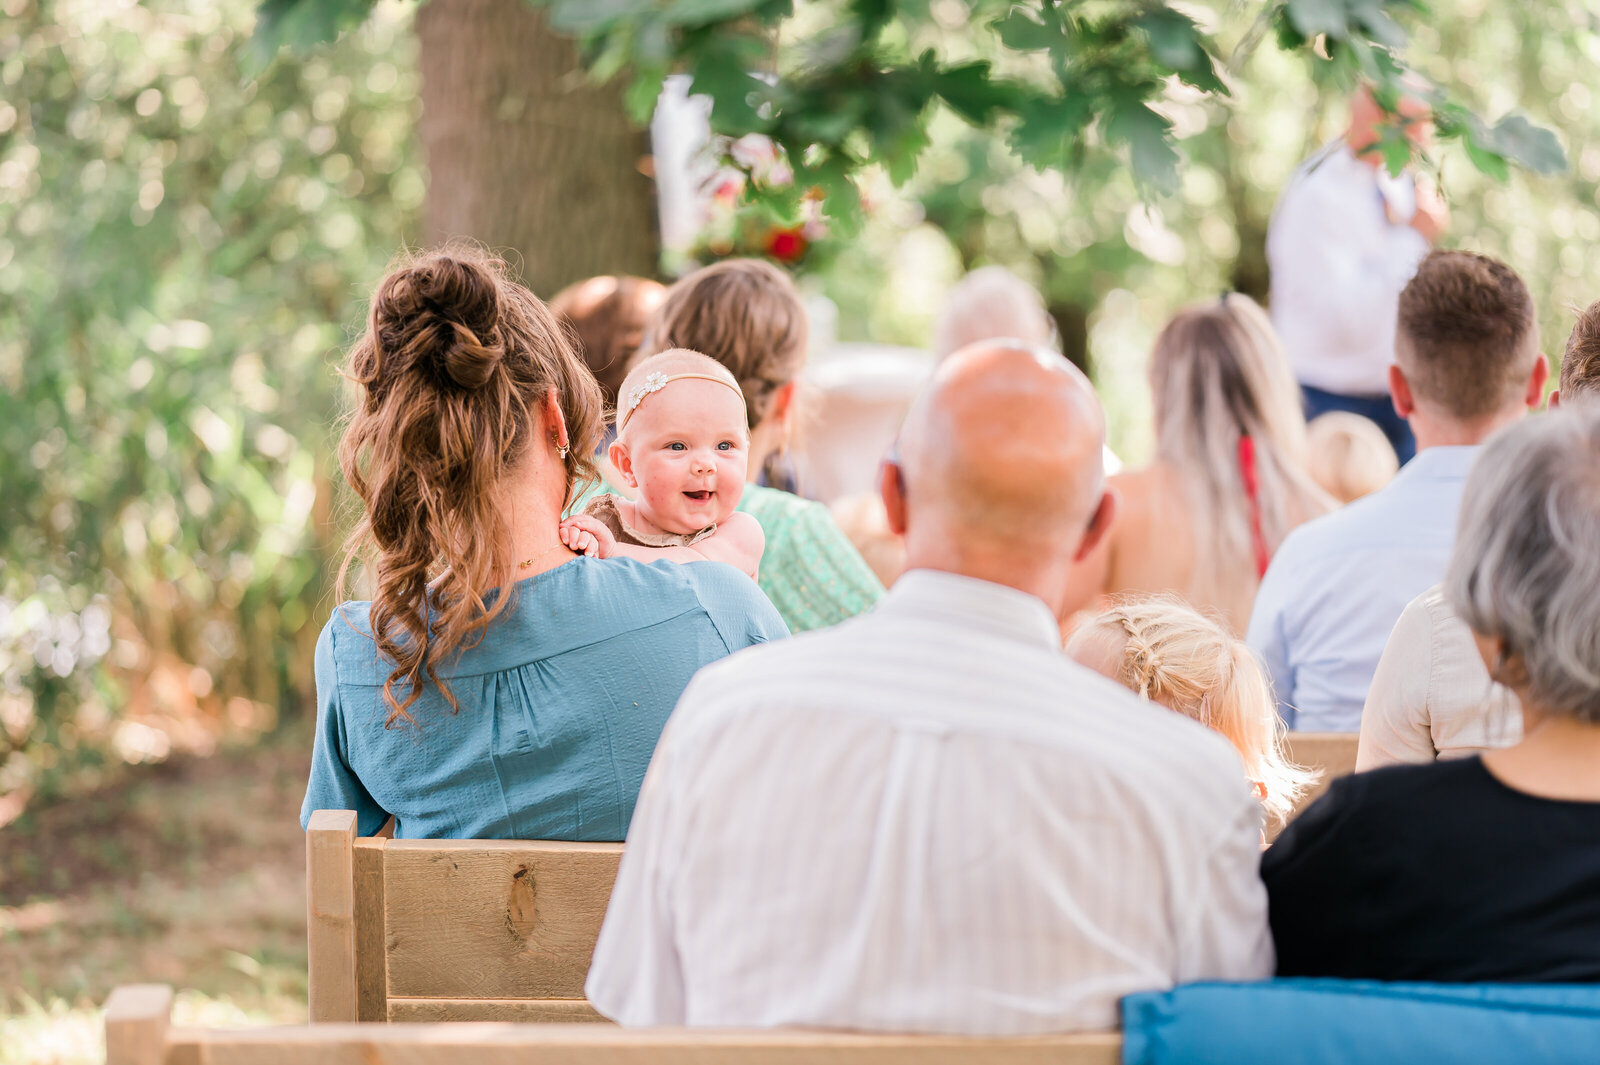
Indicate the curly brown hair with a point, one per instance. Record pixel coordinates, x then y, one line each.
744 313
1580 363
1467 334
455 360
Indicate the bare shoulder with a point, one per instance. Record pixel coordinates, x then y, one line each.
1137 488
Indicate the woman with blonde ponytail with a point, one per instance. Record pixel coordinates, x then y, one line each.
1229 480
1166 652
496 685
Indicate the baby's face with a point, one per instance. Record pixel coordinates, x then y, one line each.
687 449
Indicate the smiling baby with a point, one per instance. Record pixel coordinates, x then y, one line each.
683 442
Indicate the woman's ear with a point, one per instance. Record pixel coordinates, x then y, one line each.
622 462
554 423
782 410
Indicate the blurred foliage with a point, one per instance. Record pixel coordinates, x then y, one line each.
839 86
181 253
1118 266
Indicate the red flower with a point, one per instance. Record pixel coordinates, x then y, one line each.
786 245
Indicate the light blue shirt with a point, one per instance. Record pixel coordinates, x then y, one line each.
1338 583
561 704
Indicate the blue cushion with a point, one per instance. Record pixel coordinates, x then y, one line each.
1360 1022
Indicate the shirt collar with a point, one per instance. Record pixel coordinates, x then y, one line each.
973 603
1444 463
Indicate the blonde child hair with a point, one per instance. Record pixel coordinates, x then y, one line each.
1348 455
1167 652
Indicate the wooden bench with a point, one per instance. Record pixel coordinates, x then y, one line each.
138 1032
494 930
1332 752
451 930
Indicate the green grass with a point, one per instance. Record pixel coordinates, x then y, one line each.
190 873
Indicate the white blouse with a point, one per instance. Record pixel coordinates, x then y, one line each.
1431 696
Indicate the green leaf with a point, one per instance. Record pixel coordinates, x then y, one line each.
1396 152
642 93
1311 17
1023 34
973 92
301 25
1148 137
1487 162
1377 24
586 17
704 12
1049 128
1175 40
1522 142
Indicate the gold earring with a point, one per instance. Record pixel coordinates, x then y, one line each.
562 449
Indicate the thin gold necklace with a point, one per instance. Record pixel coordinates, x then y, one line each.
529 562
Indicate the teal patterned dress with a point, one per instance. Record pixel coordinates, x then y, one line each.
810 570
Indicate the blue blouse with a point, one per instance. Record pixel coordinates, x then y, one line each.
561 704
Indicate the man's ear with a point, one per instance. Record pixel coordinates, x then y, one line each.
1405 404
1538 377
1099 525
622 462
1555 399
892 486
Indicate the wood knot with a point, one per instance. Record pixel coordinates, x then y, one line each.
520 906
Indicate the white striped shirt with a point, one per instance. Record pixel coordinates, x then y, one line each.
928 819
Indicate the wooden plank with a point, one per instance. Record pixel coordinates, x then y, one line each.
136 1022
372 971
494 919
594 1044
515 1010
1332 752
330 915
182 1049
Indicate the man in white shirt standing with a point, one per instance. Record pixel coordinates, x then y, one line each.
1467 363
1344 240
928 819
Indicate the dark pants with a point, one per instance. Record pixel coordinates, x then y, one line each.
1379 409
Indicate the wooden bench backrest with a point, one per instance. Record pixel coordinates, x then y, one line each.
493 930
464 930
138 1032
1332 752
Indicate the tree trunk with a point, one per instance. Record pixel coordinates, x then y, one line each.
1072 329
524 153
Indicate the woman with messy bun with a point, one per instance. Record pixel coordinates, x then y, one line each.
496 685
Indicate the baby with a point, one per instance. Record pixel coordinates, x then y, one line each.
1167 652
683 441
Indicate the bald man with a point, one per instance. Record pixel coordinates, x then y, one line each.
927 819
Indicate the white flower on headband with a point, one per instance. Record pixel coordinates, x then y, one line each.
654 383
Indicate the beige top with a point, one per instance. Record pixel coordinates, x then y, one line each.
1431 696
603 508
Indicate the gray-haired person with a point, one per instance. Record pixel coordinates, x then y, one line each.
1483 868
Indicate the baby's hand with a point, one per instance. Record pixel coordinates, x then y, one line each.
588 536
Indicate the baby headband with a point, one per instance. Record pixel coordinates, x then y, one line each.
657 381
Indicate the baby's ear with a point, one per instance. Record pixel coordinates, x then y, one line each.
622 462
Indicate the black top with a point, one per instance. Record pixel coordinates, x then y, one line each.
1437 872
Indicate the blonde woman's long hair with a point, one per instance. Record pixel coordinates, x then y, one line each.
1217 375
1165 651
